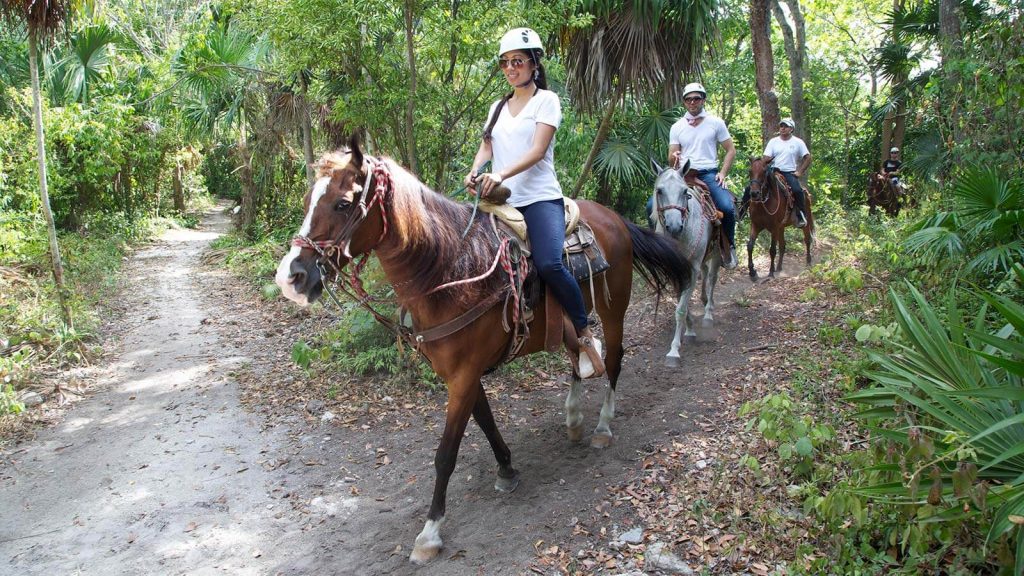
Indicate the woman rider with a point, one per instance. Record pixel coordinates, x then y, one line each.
520 139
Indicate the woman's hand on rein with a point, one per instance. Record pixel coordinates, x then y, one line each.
490 181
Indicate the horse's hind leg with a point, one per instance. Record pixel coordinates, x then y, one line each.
612 319
573 401
782 246
682 319
711 268
508 477
808 239
461 403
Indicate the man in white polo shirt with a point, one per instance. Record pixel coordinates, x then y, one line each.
697 136
790 156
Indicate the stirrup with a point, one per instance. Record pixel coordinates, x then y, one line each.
801 220
586 364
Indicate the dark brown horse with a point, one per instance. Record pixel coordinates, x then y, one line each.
362 204
770 210
882 192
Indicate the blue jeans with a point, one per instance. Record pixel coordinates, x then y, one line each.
545 225
798 191
723 201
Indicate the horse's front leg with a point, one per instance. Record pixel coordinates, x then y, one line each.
750 250
508 477
772 251
461 402
682 319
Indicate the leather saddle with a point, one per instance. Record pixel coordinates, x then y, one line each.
710 212
581 255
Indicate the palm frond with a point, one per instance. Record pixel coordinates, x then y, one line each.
935 244
621 161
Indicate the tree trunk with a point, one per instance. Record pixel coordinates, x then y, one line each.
410 107
177 189
247 214
951 48
795 40
764 68
307 131
602 135
44 194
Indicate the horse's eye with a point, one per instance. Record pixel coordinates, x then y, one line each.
342 205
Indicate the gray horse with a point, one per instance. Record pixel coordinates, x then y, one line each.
676 210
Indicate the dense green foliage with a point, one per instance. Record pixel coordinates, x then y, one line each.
149 107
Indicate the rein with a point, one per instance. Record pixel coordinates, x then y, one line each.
352 286
763 192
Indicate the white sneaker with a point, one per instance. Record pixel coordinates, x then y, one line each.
586 366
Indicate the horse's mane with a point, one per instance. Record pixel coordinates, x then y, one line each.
426 229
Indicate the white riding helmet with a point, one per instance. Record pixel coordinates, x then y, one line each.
520 39
695 87
893 149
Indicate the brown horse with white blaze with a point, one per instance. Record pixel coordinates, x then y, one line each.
362 204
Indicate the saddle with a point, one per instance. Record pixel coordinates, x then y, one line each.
783 186
581 255
713 214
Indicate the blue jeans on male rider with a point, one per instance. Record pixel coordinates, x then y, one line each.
723 201
545 225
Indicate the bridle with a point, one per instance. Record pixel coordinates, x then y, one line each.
760 190
684 209
381 192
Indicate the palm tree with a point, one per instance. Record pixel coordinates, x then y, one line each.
986 229
639 48
220 79
74 73
43 20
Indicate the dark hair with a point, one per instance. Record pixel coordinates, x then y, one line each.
540 78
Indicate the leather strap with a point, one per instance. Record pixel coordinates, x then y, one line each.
456 324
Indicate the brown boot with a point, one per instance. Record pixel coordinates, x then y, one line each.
591 362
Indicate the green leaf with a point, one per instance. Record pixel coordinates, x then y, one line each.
804 447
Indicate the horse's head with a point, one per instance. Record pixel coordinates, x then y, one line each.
340 223
759 177
671 198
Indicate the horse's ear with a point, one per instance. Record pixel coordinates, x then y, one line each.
354 151
684 168
654 164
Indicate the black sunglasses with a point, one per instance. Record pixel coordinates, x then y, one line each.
693 99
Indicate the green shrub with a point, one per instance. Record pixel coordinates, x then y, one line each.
949 406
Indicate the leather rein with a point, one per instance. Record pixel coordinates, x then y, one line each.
352 284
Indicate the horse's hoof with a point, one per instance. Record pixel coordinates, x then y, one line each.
507 485
601 441
707 322
672 361
575 433
690 339
423 554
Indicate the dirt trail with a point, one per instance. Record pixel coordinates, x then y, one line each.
165 472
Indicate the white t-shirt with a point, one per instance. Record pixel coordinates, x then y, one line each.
699 143
787 154
512 138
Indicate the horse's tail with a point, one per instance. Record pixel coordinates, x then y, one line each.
658 260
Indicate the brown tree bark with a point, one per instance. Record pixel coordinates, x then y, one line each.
410 107
307 130
764 67
177 190
951 48
795 39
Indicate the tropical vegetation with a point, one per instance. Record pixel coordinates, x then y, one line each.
117 118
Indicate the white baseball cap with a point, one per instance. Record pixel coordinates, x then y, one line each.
788 122
893 149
